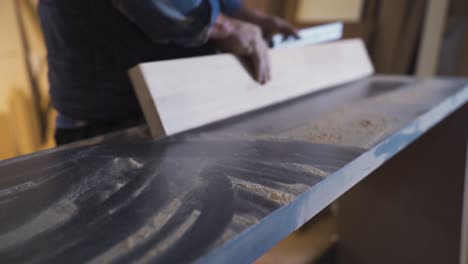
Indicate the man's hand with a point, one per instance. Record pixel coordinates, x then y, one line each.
270 25
243 39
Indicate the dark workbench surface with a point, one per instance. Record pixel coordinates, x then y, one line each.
223 193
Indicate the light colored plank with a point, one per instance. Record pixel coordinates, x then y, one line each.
178 95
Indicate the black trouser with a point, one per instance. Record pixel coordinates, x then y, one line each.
69 135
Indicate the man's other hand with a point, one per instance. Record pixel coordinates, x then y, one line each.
271 25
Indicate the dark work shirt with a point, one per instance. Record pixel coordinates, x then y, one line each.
93 43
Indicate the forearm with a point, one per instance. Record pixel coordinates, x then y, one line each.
182 22
250 15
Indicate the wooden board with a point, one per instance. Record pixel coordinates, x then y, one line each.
178 95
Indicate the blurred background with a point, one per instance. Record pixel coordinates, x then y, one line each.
415 37
409 37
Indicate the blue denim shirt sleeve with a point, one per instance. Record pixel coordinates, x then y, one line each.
230 6
182 22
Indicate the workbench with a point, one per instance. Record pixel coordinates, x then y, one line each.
392 149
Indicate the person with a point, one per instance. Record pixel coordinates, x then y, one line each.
93 43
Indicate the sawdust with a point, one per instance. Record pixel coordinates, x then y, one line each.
151 227
141 235
135 163
310 169
327 138
363 124
404 96
271 194
227 235
170 240
55 215
366 123
294 189
108 179
236 136
244 220
354 127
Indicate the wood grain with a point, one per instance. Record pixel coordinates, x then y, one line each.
178 95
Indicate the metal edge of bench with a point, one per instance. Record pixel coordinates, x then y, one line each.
246 247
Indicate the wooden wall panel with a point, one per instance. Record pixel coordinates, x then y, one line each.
454 52
396 35
17 99
7 144
329 10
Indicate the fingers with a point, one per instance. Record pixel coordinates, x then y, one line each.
260 57
269 38
268 65
261 63
246 40
288 31
257 68
291 31
266 57
278 25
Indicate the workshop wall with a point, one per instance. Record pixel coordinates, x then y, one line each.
24 101
391 34
392 29
326 10
454 50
